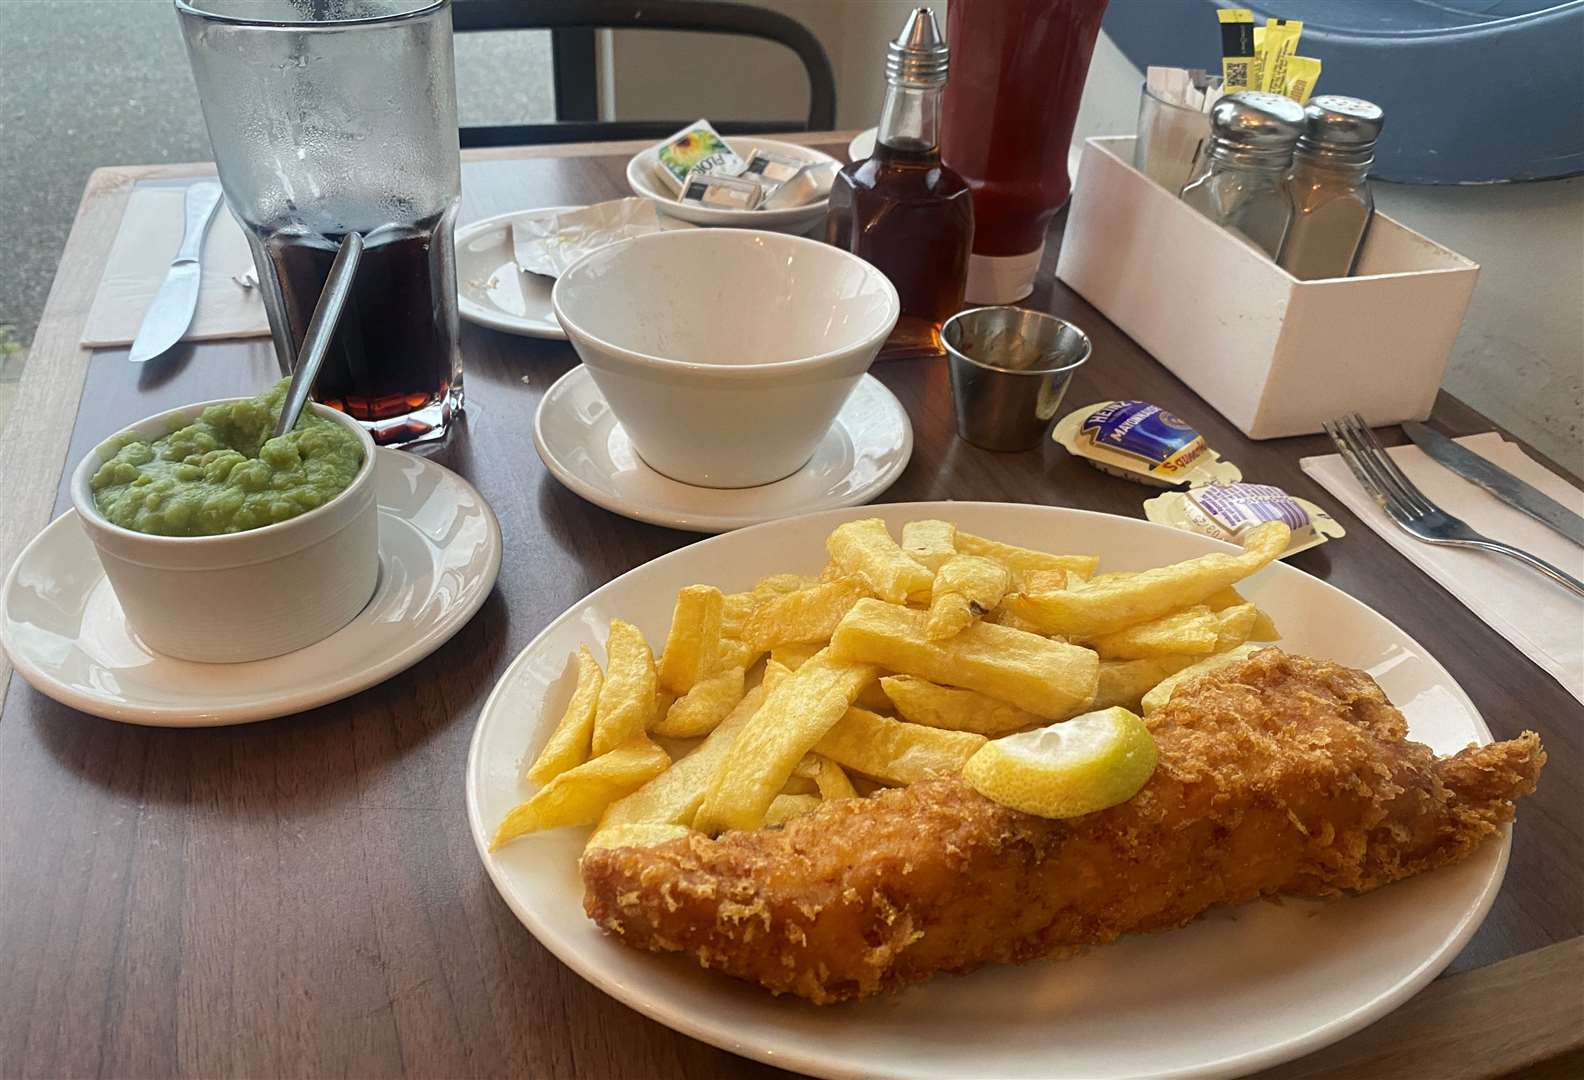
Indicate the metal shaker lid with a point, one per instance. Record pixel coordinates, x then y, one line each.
1256 120
918 56
1343 124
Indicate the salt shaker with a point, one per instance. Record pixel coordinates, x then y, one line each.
1332 204
1252 136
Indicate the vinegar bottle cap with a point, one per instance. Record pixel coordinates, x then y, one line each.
918 56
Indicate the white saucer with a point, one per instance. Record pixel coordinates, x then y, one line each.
60 622
585 448
862 144
491 290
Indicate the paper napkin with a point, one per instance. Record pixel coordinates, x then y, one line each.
150 234
1540 618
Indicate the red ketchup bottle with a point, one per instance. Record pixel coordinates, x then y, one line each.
1018 70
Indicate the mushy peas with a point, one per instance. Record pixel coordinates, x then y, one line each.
223 473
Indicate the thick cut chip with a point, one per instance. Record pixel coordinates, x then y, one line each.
967 587
1004 616
627 698
1110 577
832 780
775 673
736 653
799 785
784 808
664 699
569 743
1264 628
1234 625
1192 631
865 550
1038 581
800 709
781 583
634 834
795 656
893 751
1161 693
803 616
1125 682
580 795
702 708
1022 560
1047 678
920 701
1221 599
873 697
929 543
694 640
1106 607
673 797
736 608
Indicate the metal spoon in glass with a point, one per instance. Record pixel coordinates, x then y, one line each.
321 328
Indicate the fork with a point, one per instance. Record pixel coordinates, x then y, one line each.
1407 506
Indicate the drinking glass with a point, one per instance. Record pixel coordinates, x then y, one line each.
1170 148
329 117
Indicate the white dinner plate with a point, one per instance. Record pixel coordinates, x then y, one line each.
60 622
798 219
862 144
581 443
1237 991
492 291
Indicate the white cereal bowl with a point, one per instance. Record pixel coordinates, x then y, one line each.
725 354
246 595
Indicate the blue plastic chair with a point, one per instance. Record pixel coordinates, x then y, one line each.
1475 91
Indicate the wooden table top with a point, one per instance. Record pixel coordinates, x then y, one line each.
301 897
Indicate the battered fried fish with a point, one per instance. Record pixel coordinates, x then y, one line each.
1280 774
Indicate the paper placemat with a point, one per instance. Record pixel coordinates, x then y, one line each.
1542 619
150 234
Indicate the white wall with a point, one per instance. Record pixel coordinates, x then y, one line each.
1519 358
653 75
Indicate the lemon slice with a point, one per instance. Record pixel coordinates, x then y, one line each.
1069 768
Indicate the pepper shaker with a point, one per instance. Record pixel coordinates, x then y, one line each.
1252 136
1332 203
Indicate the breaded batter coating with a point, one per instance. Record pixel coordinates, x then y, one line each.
1280 774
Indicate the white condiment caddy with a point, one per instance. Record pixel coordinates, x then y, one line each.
1275 355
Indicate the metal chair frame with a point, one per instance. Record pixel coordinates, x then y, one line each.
572 24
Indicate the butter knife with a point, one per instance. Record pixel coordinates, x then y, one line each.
172 310
1498 481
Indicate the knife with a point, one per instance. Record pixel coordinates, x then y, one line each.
171 312
1498 481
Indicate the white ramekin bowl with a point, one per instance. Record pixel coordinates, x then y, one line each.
246 595
725 353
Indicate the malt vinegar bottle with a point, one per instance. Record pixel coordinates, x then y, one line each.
902 210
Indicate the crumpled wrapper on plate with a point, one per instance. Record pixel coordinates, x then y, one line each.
548 244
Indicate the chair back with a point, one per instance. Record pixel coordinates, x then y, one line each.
572 22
